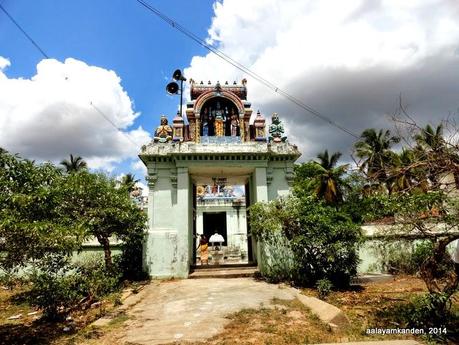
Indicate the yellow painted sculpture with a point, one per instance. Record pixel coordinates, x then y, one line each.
164 132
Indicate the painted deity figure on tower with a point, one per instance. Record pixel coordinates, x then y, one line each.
276 130
234 121
205 123
219 121
163 132
211 123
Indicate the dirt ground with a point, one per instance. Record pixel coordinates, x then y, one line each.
278 322
291 323
285 322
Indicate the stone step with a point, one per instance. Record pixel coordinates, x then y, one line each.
226 272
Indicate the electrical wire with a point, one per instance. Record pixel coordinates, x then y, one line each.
242 68
100 112
24 32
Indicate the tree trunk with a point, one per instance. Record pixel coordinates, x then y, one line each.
107 252
446 284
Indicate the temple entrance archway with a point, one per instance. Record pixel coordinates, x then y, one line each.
231 173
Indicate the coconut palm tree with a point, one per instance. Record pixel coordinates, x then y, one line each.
430 143
74 164
404 176
329 181
430 139
128 181
374 148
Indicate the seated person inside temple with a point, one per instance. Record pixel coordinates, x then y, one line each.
219 117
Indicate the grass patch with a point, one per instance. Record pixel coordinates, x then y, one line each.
118 320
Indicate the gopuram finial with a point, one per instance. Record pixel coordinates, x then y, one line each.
259 124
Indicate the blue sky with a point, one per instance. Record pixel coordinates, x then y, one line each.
117 35
350 60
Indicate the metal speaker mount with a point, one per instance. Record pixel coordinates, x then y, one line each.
178 75
172 88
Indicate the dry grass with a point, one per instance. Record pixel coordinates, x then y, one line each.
292 323
287 322
30 329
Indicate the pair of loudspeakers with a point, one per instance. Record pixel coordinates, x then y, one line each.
173 88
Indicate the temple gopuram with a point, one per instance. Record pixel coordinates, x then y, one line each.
204 171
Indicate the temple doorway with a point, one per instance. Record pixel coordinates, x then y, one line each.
215 222
221 208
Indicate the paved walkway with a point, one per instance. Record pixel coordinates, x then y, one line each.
194 309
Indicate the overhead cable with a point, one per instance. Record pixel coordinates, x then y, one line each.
242 68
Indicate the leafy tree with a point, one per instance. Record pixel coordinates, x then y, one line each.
74 164
102 209
374 149
329 181
33 226
304 178
433 215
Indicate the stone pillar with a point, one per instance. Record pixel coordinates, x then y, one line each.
261 195
182 216
242 128
160 254
261 186
197 131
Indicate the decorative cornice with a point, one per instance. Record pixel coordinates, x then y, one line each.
173 177
269 175
151 180
289 175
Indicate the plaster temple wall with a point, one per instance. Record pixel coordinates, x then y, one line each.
171 167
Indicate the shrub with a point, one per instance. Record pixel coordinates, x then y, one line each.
277 258
60 288
95 280
428 311
55 292
130 262
405 257
324 287
323 241
395 257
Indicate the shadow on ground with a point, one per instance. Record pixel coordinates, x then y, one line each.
36 333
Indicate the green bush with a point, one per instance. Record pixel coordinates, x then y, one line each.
60 287
322 240
396 257
277 258
130 262
405 256
324 287
55 292
429 311
95 280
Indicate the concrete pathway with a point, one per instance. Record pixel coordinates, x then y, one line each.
192 310
195 309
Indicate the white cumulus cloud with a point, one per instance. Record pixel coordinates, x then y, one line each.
350 60
4 63
68 107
